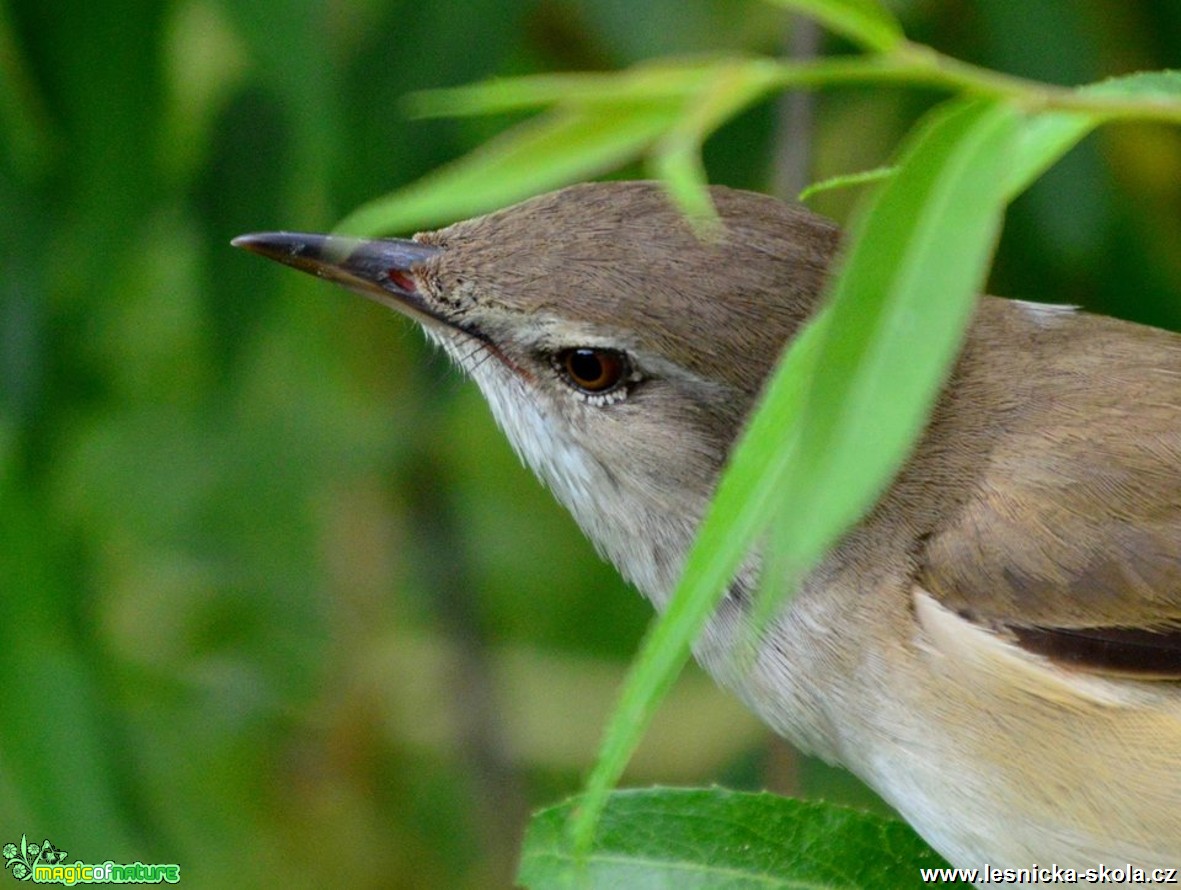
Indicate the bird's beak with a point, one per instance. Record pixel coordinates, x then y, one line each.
382 269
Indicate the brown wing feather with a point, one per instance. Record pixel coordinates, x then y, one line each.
1071 536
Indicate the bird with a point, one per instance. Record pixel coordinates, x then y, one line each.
995 648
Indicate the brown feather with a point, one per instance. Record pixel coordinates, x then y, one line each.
1070 534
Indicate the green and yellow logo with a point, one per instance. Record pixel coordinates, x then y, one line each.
46 864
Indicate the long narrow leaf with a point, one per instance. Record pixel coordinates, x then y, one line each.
900 305
544 153
644 83
677 156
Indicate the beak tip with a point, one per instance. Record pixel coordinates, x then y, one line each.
255 242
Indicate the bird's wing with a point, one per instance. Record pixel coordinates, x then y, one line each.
1070 542
1098 591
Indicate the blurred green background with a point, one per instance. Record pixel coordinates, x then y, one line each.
279 604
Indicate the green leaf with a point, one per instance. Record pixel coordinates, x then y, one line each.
900 304
677 156
865 22
1043 140
545 153
724 840
601 120
646 83
1162 85
1048 135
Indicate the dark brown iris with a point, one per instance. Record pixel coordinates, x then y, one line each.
593 370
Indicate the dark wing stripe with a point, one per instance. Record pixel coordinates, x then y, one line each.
1150 654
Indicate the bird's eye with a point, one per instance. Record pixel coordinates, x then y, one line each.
594 371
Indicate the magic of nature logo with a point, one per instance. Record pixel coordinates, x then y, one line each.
45 863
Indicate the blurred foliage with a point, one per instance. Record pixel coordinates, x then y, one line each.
278 602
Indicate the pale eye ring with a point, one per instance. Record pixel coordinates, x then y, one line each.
591 370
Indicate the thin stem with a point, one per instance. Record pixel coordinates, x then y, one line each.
917 65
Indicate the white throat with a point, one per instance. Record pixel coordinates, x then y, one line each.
647 549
